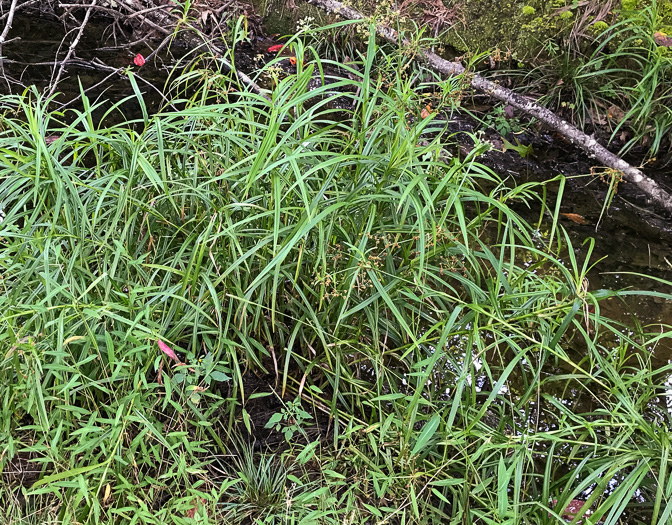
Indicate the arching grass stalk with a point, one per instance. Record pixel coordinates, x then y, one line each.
372 275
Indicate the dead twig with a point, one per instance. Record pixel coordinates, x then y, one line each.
10 12
71 49
3 37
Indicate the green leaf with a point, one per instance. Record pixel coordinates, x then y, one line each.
307 453
66 474
219 376
246 421
426 434
275 418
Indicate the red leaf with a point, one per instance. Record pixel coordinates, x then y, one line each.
191 513
167 350
139 60
275 49
578 219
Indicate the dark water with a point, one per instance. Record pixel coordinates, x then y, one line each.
30 62
630 238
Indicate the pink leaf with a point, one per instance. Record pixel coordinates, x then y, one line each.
139 61
167 350
275 49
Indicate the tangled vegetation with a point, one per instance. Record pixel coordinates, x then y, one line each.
365 327
606 65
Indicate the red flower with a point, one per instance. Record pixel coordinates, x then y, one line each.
139 60
275 49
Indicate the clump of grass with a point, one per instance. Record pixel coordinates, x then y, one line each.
622 81
390 288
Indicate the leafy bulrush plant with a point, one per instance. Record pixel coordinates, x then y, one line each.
449 355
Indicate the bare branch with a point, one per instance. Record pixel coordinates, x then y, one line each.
8 25
71 49
3 37
10 13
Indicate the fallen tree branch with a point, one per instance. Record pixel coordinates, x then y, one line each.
3 36
594 149
71 50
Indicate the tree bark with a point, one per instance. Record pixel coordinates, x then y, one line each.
593 148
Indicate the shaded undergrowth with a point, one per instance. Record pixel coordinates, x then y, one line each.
432 357
618 81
